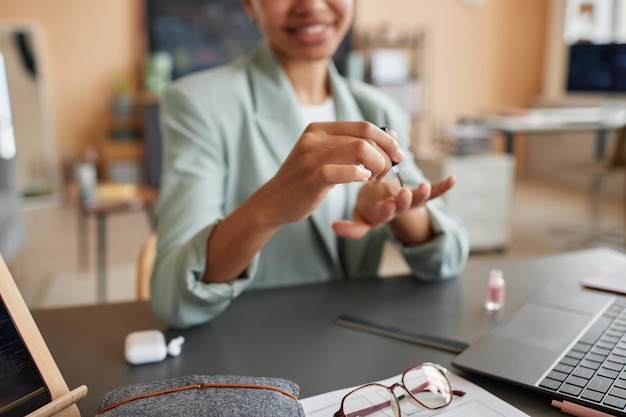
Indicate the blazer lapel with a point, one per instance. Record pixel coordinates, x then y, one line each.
275 104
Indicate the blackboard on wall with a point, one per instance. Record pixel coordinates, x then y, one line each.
201 34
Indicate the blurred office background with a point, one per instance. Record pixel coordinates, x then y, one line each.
82 87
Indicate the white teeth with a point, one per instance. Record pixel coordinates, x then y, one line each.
312 30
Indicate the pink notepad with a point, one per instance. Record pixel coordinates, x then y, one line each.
611 278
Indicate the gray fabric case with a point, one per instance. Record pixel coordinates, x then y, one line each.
184 396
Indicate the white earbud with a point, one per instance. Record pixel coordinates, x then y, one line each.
175 346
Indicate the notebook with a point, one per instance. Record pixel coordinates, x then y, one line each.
567 343
30 382
611 278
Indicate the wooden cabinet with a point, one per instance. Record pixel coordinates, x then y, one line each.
482 197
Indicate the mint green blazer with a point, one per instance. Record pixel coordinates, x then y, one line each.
226 131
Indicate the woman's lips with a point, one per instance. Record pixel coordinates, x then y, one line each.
312 33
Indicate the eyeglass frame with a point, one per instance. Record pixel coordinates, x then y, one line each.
442 370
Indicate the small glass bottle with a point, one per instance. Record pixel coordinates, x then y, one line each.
495 291
87 178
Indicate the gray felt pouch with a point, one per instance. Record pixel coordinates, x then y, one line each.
201 395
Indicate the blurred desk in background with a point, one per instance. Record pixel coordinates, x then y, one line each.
598 119
111 198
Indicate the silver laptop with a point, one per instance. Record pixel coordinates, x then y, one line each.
568 343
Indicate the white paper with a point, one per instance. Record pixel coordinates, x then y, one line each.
477 402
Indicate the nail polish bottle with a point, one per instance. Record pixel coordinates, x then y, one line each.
495 291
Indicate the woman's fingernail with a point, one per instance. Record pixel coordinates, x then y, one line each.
366 172
399 155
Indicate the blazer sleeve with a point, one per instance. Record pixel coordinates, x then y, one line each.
190 205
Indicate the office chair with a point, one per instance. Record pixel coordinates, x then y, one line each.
598 171
145 263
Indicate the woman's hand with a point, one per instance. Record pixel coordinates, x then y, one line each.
326 154
384 201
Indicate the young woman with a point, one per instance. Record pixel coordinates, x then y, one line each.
275 173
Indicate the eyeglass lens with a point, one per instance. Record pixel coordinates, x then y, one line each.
371 400
427 385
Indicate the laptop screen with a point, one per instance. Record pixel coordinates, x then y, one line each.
22 389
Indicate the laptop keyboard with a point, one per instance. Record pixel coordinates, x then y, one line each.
593 369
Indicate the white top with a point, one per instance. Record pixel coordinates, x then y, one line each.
325 112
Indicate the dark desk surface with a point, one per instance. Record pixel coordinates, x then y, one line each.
290 333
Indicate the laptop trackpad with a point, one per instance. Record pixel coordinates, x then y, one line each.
543 327
522 348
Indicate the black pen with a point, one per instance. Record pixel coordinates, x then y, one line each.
394 165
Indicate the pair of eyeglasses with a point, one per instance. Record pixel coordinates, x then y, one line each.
427 387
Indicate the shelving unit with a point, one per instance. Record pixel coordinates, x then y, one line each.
395 63
122 148
398 64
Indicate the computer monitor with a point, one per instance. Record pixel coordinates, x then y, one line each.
590 67
619 67
596 68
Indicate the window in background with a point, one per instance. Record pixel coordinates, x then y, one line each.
7 135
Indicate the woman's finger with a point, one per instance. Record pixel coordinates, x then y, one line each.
350 229
442 187
404 198
344 174
365 131
421 194
357 228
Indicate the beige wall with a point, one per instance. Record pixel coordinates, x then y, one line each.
481 57
88 45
